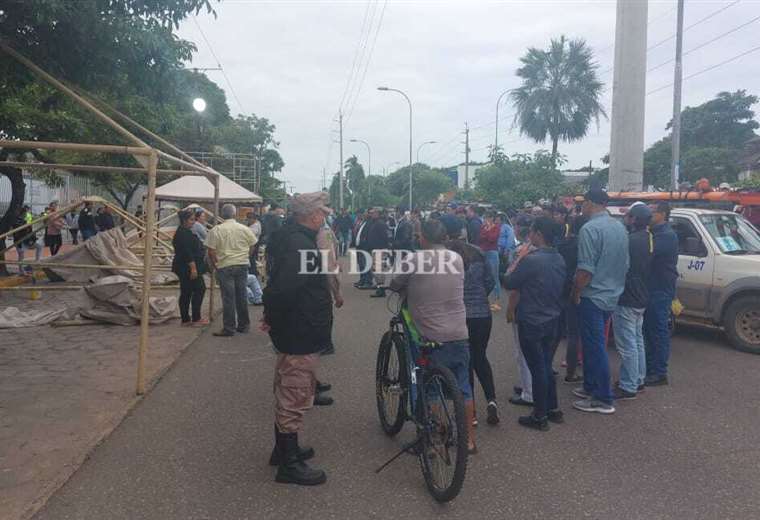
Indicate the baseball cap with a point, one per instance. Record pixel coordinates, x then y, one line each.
597 196
640 212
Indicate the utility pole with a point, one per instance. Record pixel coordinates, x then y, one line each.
675 171
324 179
466 156
628 96
340 170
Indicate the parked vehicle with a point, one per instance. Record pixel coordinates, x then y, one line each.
719 272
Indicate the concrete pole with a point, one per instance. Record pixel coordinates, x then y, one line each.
629 96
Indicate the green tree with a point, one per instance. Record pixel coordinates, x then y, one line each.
520 178
559 94
712 137
428 184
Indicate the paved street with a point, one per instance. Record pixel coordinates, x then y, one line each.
197 446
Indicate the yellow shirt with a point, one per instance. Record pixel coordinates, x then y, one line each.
232 242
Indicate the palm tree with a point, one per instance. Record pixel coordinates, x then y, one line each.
559 94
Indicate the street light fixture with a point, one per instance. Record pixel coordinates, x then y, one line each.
199 104
420 148
369 154
387 89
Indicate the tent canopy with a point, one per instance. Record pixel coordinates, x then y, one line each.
200 189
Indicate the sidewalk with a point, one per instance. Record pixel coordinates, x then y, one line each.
62 390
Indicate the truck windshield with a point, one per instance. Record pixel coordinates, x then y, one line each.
732 233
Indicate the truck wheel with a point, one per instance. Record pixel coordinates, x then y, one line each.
742 324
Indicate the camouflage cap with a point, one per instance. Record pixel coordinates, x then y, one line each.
307 203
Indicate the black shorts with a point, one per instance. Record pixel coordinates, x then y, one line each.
53 240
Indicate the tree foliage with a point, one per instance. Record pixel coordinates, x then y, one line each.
559 94
520 178
427 184
712 137
124 52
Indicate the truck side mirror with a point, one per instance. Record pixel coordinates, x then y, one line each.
694 246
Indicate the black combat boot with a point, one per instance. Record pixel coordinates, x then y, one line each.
292 470
304 453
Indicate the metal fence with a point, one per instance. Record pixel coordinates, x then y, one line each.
38 194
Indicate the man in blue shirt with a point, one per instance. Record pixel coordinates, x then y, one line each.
599 282
540 277
662 290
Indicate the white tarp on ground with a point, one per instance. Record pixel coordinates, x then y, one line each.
200 189
105 248
110 300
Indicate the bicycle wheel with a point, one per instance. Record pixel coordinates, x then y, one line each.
391 383
444 437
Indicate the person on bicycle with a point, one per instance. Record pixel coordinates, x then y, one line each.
540 278
432 280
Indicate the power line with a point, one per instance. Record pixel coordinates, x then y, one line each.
352 93
712 67
705 44
369 59
219 64
356 56
649 22
711 15
672 36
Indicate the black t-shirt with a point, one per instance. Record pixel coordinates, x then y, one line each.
640 249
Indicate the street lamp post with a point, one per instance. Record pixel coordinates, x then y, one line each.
387 89
420 148
496 139
369 154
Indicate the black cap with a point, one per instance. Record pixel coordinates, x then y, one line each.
597 196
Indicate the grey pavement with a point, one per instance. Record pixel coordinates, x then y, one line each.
197 446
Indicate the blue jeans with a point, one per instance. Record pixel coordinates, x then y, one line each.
233 285
88 233
455 355
253 289
492 257
596 364
656 333
538 344
573 337
344 238
627 323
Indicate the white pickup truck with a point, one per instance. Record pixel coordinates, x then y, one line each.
719 273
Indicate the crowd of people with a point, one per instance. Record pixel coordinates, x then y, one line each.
85 223
573 274
576 274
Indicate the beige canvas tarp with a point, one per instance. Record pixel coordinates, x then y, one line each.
105 248
112 299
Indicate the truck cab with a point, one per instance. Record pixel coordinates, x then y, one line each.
719 272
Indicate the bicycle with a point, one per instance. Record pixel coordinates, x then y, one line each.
410 386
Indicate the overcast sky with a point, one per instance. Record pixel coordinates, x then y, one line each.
291 62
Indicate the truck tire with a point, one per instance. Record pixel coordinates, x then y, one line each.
741 322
